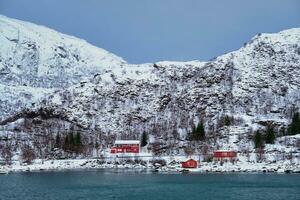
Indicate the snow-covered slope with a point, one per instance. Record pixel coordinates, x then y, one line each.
101 95
258 83
266 77
41 59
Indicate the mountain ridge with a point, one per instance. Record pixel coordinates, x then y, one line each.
256 85
33 57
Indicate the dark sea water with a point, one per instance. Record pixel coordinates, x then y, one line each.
109 184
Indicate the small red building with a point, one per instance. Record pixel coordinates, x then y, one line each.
191 163
225 155
126 146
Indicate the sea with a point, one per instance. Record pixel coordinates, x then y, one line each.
112 184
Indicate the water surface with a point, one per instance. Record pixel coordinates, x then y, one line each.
110 184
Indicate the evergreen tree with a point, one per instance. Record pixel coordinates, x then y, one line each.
193 133
78 143
97 148
144 139
78 139
67 143
57 141
294 127
200 132
97 145
297 122
258 140
227 121
71 140
270 137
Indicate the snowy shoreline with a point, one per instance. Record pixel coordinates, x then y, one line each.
174 166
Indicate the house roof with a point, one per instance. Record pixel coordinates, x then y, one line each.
127 142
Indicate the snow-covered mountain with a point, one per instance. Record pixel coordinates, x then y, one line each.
35 60
53 81
257 83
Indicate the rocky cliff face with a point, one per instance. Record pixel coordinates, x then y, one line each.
70 83
258 83
266 76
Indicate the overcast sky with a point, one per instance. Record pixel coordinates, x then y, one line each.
153 30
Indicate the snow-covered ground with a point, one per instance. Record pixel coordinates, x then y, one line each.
283 156
172 164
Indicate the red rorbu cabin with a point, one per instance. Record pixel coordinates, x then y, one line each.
225 155
191 163
126 146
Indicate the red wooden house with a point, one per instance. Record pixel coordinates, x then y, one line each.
191 163
225 155
126 146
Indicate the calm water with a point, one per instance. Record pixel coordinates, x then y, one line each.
106 184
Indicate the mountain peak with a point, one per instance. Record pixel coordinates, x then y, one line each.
27 48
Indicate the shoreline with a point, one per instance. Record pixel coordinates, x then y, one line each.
174 167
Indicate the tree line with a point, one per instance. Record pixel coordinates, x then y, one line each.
268 138
70 143
197 133
270 135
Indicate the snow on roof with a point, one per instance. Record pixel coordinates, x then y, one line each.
127 142
224 150
190 159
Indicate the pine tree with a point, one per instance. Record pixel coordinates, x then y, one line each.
227 121
297 122
258 140
200 132
78 139
270 137
57 141
78 143
71 141
193 133
144 139
97 145
294 127
67 143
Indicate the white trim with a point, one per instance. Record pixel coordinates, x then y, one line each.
127 142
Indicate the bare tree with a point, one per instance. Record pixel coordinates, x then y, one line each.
6 153
260 154
28 154
156 148
290 157
248 154
188 150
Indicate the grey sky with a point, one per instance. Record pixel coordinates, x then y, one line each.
153 30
